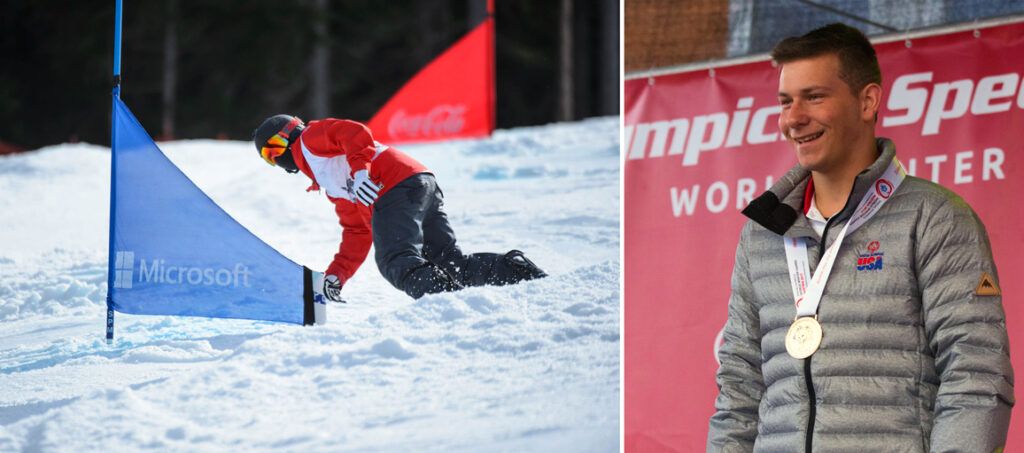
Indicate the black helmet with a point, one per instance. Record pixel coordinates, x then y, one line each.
273 140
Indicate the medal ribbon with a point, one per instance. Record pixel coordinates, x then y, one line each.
807 289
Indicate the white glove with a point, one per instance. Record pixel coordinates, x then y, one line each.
363 189
332 288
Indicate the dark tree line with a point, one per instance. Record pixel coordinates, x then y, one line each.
204 69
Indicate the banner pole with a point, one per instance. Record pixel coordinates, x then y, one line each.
117 49
492 90
113 171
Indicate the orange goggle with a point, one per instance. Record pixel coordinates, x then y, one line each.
273 148
278 143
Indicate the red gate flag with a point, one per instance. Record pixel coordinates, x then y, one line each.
452 97
699 145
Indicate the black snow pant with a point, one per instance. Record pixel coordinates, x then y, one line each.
415 246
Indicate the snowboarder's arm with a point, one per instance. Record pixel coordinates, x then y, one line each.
355 239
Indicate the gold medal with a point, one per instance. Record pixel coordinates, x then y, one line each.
803 337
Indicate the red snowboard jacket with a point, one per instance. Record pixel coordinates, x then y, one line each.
329 152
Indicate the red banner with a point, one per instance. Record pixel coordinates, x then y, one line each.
452 97
700 145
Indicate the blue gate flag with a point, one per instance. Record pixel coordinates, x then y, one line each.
175 252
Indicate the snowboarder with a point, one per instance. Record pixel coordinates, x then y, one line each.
383 196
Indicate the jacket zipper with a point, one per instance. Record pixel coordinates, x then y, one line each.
811 396
810 402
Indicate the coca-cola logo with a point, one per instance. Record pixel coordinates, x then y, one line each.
441 120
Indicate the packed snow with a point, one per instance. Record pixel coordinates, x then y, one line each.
528 367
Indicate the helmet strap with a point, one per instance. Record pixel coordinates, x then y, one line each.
294 134
286 161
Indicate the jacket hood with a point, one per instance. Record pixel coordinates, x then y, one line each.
780 208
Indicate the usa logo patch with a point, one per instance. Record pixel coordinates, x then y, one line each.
872 261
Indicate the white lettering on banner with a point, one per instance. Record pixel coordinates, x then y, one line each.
950 100
439 121
937 107
756 135
745 191
661 131
987 93
683 199
961 167
157 271
708 132
717 196
719 187
739 122
935 161
696 143
911 101
991 165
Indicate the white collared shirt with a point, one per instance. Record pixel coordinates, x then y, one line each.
817 220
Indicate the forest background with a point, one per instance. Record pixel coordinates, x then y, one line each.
215 69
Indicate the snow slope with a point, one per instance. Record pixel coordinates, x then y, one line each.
528 367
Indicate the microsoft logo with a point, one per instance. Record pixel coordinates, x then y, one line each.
158 271
123 266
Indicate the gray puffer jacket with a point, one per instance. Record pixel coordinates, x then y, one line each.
912 358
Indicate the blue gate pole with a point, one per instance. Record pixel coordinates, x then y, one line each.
117 49
113 171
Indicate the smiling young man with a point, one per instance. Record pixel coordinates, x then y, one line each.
865 312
